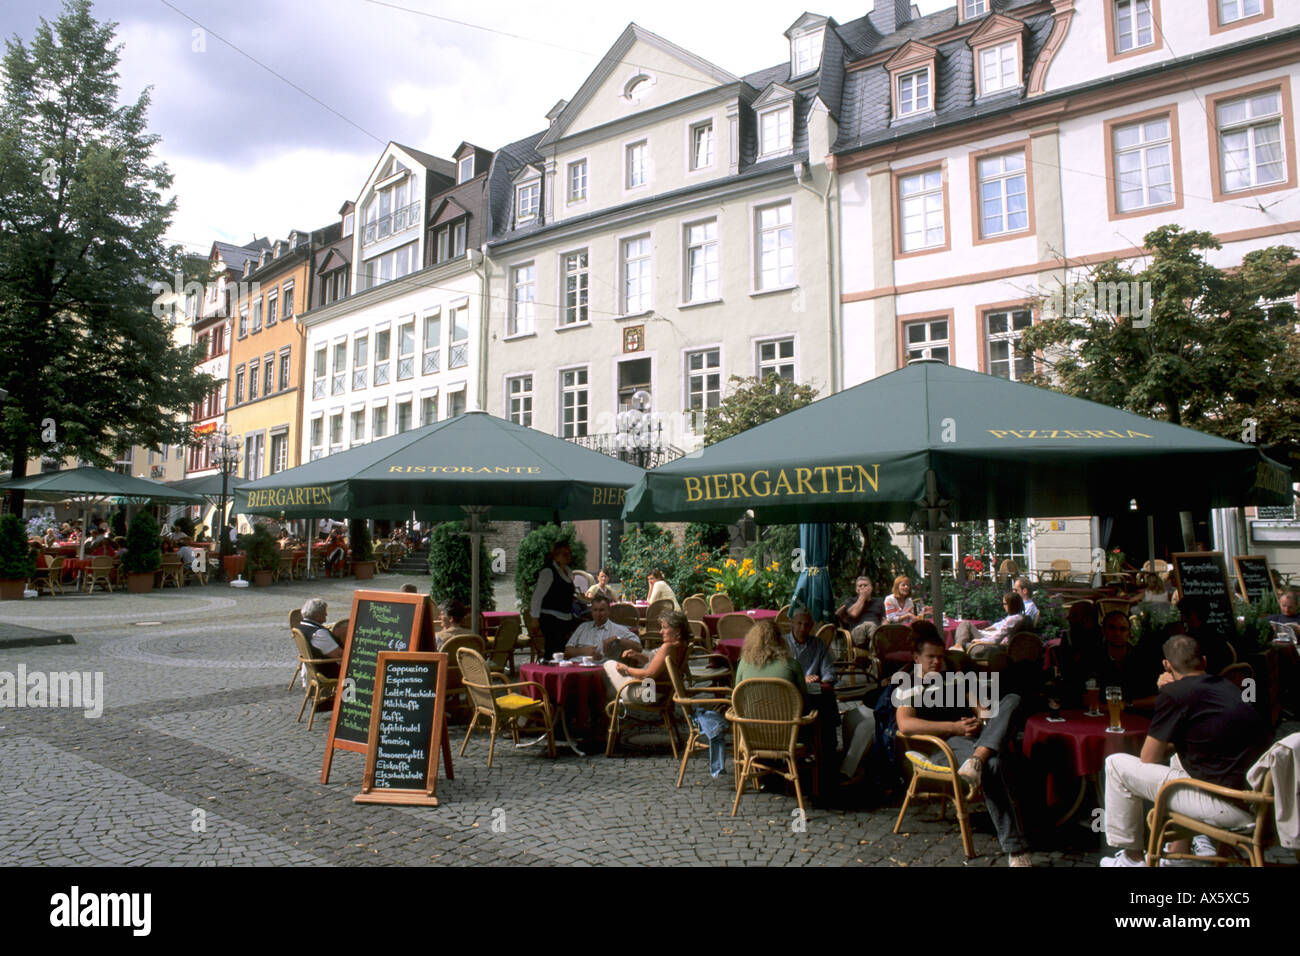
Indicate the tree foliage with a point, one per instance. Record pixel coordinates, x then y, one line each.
143 551
753 401
1212 355
82 218
450 566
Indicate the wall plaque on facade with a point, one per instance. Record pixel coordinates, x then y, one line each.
634 338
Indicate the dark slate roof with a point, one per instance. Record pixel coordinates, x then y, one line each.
865 105
235 256
443 167
762 79
501 194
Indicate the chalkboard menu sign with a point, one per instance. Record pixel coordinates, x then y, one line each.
380 621
406 728
1253 577
1203 574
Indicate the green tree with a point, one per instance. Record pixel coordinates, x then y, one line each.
451 563
753 401
82 219
1211 355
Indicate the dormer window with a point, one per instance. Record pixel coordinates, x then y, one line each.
911 80
465 169
998 48
805 53
914 92
528 200
347 224
638 88
970 9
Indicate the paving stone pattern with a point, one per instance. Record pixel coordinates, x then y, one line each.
197 760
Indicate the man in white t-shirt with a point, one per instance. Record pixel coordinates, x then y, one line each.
600 638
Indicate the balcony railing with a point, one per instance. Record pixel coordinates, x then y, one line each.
390 225
359 378
340 383
459 355
621 445
318 388
431 359
381 373
405 367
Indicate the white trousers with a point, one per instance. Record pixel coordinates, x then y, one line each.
1129 782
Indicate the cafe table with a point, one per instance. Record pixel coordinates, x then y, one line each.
493 620
950 626
576 687
1080 744
758 614
730 647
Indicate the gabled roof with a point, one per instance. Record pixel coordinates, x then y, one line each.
808 21
913 51
235 256
995 27
507 160
334 259
446 211
428 161
632 35
775 93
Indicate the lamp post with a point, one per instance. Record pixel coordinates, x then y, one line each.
225 451
639 432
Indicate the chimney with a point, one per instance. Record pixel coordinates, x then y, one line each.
888 15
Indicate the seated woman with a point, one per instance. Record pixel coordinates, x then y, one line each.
765 653
50 538
899 608
1000 632
455 621
672 628
601 587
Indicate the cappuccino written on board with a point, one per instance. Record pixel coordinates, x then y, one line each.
406 729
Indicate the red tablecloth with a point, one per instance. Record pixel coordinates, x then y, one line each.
578 689
950 630
760 614
1086 738
492 619
731 647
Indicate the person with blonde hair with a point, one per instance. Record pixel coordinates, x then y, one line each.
766 654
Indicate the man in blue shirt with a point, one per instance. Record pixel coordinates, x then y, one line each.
811 654
1031 609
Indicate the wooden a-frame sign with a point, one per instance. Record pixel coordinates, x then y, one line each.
380 621
407 727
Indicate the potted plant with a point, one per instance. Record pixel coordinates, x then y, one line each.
363 563
16 562
143 555
263 555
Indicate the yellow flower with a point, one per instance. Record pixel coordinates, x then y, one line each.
770 584
714 571
731 563
752 572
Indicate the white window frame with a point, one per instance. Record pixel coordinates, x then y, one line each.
973 8
375 412
1144 148
757 232
693 163
426 397
532 187
580 310
463 176
696 418
458 348
914 100
522 319
1133 38
784 143
777 361
645 296
357 436
431 354
1011 337
457 394
576 180
1240 6
1003 178
1006 54
814 40
1250 126
711 253
921 196
636 164
583 387
926 349
528 395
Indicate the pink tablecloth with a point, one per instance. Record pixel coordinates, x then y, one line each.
492 619
731 647
1086 738
578 689
760 614
950 630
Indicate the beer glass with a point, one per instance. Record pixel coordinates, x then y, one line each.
1115 705
1090 699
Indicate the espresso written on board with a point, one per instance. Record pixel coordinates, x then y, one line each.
406 708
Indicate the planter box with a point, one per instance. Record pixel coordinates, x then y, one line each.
139 583
262 579
12 590
364 570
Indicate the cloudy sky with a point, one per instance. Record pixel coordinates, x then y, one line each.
272 112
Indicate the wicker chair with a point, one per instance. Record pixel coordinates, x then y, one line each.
783 620
173 570
646 698
691 699
501 654
695 607
1061 571
765 717
720 604
1008 571
734 625
889 644
322 677
49 578
100 572
950 786
625 614
498 703
295 618
703 666
650 633
1162 819
285 568
455 685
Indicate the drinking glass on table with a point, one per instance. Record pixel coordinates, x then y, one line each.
1090 699
1115 705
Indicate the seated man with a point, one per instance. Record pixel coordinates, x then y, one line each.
861 616
999 633
1118 663
320 637
1287 602
1195 611
1026 597
1215 736
455 621
808 652
601 638
981 749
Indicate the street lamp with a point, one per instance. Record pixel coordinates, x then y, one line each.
225 451
640 432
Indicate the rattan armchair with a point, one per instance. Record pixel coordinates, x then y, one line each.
950 786
690 700
1163 819
641 696
720 604
49 578
295 618
734 625
695 607
322 677
173 570
766 718
100 572
491 697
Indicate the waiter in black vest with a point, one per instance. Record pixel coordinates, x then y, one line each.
553 596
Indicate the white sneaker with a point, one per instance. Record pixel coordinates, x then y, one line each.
1020 859
971 771
1121 859
1167 862
1204 846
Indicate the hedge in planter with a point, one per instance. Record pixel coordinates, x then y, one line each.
359 540
533 552
261 548
16 563
143 553
449 567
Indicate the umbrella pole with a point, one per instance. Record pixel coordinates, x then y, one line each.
474 515
933 508
1151 541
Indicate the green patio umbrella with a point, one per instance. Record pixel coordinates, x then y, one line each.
87 485
934 443
813 589
467 466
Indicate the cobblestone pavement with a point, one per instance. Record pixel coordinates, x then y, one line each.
197 760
